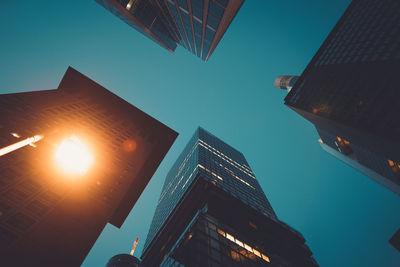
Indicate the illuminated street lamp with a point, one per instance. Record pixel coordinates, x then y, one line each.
72 155
96 155
20 144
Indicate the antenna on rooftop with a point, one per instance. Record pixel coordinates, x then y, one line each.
134 246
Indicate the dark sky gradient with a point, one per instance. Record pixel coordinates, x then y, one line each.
346 218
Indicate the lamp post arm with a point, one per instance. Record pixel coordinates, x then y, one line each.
20 144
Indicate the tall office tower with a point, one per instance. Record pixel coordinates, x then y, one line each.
197 25
213 212
53 204
395 240
350 90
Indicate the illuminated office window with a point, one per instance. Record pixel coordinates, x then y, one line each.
344 146
395 167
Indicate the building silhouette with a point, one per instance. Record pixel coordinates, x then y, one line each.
124 260
197 25
349 90
213 212
395 240
49 217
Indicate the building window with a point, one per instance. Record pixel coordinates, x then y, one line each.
221 232
343 146
235 256
395 167
252 252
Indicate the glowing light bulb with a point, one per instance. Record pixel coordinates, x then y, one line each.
73 156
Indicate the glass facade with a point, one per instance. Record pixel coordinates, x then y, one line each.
367 162
206 157
195 223
193 24
198 23
349 89
208 242
228 169
148 17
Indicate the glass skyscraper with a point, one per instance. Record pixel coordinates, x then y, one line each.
197 25
213 212
350 90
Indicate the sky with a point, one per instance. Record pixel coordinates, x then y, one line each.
346 218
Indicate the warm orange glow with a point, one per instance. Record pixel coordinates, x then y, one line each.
15 135
265 258
190 236
129 5
321 109
253 225
244 245
240 243
257 253
221 232
211 172
345 147
235 256
73 156
25 142
129 145
395 167
248 247
231 238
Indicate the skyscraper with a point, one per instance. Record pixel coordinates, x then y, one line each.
197 25
213 212
49 215
349 90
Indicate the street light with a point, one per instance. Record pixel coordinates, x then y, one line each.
73 156
28 141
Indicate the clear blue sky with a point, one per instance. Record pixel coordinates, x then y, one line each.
346 218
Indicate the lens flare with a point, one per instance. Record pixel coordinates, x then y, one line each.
129 145
73 156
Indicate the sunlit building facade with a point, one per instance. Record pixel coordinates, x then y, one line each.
50 216
349 90
197 25
213 212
